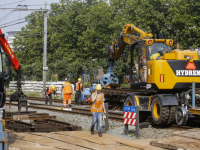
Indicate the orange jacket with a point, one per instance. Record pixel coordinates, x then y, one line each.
77 86
50 90
97 105
67 88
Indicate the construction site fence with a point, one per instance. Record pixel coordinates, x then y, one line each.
37 86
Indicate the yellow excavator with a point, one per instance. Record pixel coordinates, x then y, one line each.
164 83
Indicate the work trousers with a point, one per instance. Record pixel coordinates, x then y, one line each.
94 119
65 97
49 97
78 97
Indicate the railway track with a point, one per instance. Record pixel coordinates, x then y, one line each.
117 116
32 121
60 101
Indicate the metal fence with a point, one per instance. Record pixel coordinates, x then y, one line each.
37 86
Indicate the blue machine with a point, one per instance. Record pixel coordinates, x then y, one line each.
3 132
109 78
82 96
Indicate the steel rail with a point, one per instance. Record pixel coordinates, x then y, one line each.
112 115
43 100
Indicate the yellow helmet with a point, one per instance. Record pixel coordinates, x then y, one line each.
98 87
79 79
54 88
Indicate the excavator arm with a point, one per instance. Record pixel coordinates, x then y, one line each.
6 48
126 37
130 34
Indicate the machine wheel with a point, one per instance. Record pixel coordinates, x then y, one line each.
181 116
159 113
130 102
172 112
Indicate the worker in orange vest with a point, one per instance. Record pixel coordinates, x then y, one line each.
67 91
49 92
97 109
78 87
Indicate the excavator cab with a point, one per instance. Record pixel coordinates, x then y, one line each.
141 54
158 49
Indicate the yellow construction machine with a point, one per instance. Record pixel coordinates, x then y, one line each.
162 80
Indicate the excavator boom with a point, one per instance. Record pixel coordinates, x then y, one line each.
6 48
127 37
114 51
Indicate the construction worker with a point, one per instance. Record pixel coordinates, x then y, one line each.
67 91
78 87
97 109
49 92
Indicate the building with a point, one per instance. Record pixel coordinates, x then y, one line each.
11 37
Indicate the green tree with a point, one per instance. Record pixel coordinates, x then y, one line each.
79 31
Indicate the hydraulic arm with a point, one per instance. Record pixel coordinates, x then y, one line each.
130 34
6 48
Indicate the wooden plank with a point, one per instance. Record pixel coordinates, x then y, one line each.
176 142
81 142
194 134
48 142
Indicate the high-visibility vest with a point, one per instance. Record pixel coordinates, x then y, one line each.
97 105
77 86
67 88
50 90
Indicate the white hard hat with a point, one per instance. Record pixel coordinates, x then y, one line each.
66 79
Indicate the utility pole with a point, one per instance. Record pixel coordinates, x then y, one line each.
45 49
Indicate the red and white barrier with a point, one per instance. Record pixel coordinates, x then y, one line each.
130 115
129 121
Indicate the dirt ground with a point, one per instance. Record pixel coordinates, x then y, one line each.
74 140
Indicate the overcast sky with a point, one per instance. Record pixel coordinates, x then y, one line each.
12 18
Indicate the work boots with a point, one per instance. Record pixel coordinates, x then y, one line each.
92 130
100 134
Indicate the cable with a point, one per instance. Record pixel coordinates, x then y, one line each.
1 19
13 24
10 18
41 4
12 3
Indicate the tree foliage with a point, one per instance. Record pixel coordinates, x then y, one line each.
78 31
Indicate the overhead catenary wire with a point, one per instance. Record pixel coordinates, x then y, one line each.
1 19
12 24
10 18
12 3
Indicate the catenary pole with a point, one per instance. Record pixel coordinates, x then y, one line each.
45 49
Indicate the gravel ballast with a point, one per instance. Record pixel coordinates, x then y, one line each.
116 127
79 120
